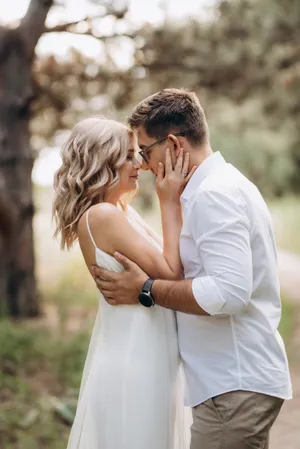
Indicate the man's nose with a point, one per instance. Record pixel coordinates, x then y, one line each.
144 166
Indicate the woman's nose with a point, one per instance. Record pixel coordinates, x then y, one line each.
137 164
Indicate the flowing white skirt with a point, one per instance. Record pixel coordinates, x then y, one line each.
131 394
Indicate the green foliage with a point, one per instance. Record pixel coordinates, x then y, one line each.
242 135
286 324
17 347
67 359
39 381
24 350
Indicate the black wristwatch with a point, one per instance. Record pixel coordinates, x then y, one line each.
145 296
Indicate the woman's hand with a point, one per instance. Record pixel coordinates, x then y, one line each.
170 182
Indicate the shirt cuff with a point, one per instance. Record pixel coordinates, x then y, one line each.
206 294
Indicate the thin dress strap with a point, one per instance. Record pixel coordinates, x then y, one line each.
88 227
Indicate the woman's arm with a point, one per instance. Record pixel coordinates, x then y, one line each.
112 232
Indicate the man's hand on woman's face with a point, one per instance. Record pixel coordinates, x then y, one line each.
123 287
170 182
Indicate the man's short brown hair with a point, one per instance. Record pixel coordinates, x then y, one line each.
171 110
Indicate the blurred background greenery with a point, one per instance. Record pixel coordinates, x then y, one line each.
65 60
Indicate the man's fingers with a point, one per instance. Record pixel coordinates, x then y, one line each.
102 273
127 264
111 301
108 294
168 164
179 162
190 174
185 167
160 172
104 286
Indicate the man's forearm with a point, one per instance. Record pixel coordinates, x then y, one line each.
176 295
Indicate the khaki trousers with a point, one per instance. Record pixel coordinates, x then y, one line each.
234 420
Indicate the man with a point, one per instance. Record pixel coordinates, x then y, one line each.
228 306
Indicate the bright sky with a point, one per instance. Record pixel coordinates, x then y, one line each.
139 11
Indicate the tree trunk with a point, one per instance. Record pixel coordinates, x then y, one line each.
6 226
18 287
18 291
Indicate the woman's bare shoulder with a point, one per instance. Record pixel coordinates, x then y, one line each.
105 221
102 216
105 212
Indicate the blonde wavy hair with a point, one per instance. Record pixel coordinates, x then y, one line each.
91 159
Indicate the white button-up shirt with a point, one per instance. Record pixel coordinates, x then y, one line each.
227 246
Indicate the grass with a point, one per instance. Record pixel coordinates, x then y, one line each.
286 324
40 376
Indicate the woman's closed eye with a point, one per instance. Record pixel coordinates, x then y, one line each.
130 155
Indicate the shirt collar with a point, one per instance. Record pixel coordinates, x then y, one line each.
212 161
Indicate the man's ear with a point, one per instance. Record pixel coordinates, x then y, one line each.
175 144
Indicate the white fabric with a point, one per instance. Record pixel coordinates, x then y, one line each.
130 395
227 245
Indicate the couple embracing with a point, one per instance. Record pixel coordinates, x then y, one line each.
205 297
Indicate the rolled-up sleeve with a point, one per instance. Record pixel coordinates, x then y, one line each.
220 227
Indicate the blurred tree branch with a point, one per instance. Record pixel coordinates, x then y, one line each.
33 23
69 26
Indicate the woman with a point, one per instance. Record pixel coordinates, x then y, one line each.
129 396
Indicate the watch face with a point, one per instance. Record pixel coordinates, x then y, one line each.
146 300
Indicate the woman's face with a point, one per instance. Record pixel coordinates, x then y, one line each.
129 172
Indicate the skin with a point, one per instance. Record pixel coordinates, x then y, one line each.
116 230
157 153
129 174
124 287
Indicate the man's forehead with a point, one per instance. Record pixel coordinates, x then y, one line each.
143 139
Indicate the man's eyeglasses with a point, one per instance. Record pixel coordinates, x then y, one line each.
143 152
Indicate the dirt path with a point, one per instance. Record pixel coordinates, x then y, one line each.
286 431
289 271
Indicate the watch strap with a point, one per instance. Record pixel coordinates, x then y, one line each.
147 286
